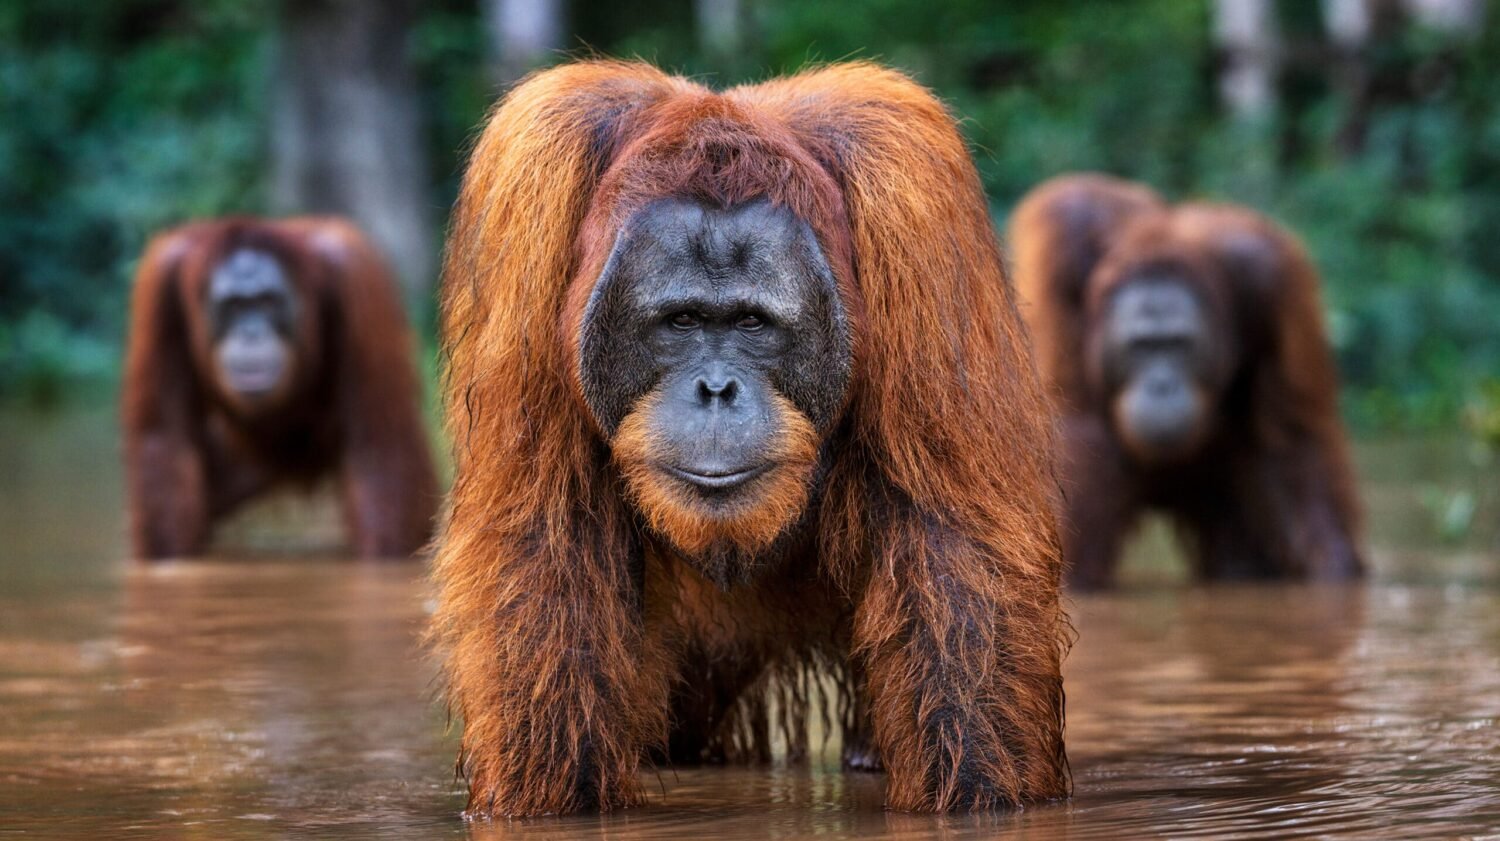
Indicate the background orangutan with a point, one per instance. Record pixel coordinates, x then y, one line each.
264 351
738 391
1185 348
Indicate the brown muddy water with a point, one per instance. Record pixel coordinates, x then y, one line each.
265 695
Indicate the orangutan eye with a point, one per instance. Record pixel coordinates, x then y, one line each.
750 322
684 321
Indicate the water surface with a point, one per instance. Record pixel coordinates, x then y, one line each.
259 695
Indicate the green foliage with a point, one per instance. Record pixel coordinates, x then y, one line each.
448 50
1451 511
40 357
1108 86
136 114
1484 414
120 120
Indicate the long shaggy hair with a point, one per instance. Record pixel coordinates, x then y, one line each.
931 557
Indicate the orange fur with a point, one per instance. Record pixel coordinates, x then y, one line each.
773 501
928 560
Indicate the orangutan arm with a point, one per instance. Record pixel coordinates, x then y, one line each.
166 478
961 651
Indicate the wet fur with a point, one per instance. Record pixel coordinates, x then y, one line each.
925 557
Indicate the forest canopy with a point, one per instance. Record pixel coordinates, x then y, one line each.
1377 140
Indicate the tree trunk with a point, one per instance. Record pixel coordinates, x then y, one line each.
522 34
1245 33
347 133
1349 22
1356 27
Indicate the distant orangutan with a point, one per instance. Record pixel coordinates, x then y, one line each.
739 395
1185 349
263 352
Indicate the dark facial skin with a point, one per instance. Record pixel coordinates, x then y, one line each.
252 313
716 311
1158 367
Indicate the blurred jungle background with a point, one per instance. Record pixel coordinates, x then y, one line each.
1371 127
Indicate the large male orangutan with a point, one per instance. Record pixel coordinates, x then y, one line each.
270 351
1185 349
739 392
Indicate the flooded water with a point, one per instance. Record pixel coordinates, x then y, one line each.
256 695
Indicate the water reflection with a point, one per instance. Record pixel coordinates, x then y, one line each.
1229 704
281 698
274 699
291 694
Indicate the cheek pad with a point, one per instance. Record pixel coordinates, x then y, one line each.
615 364
813 373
